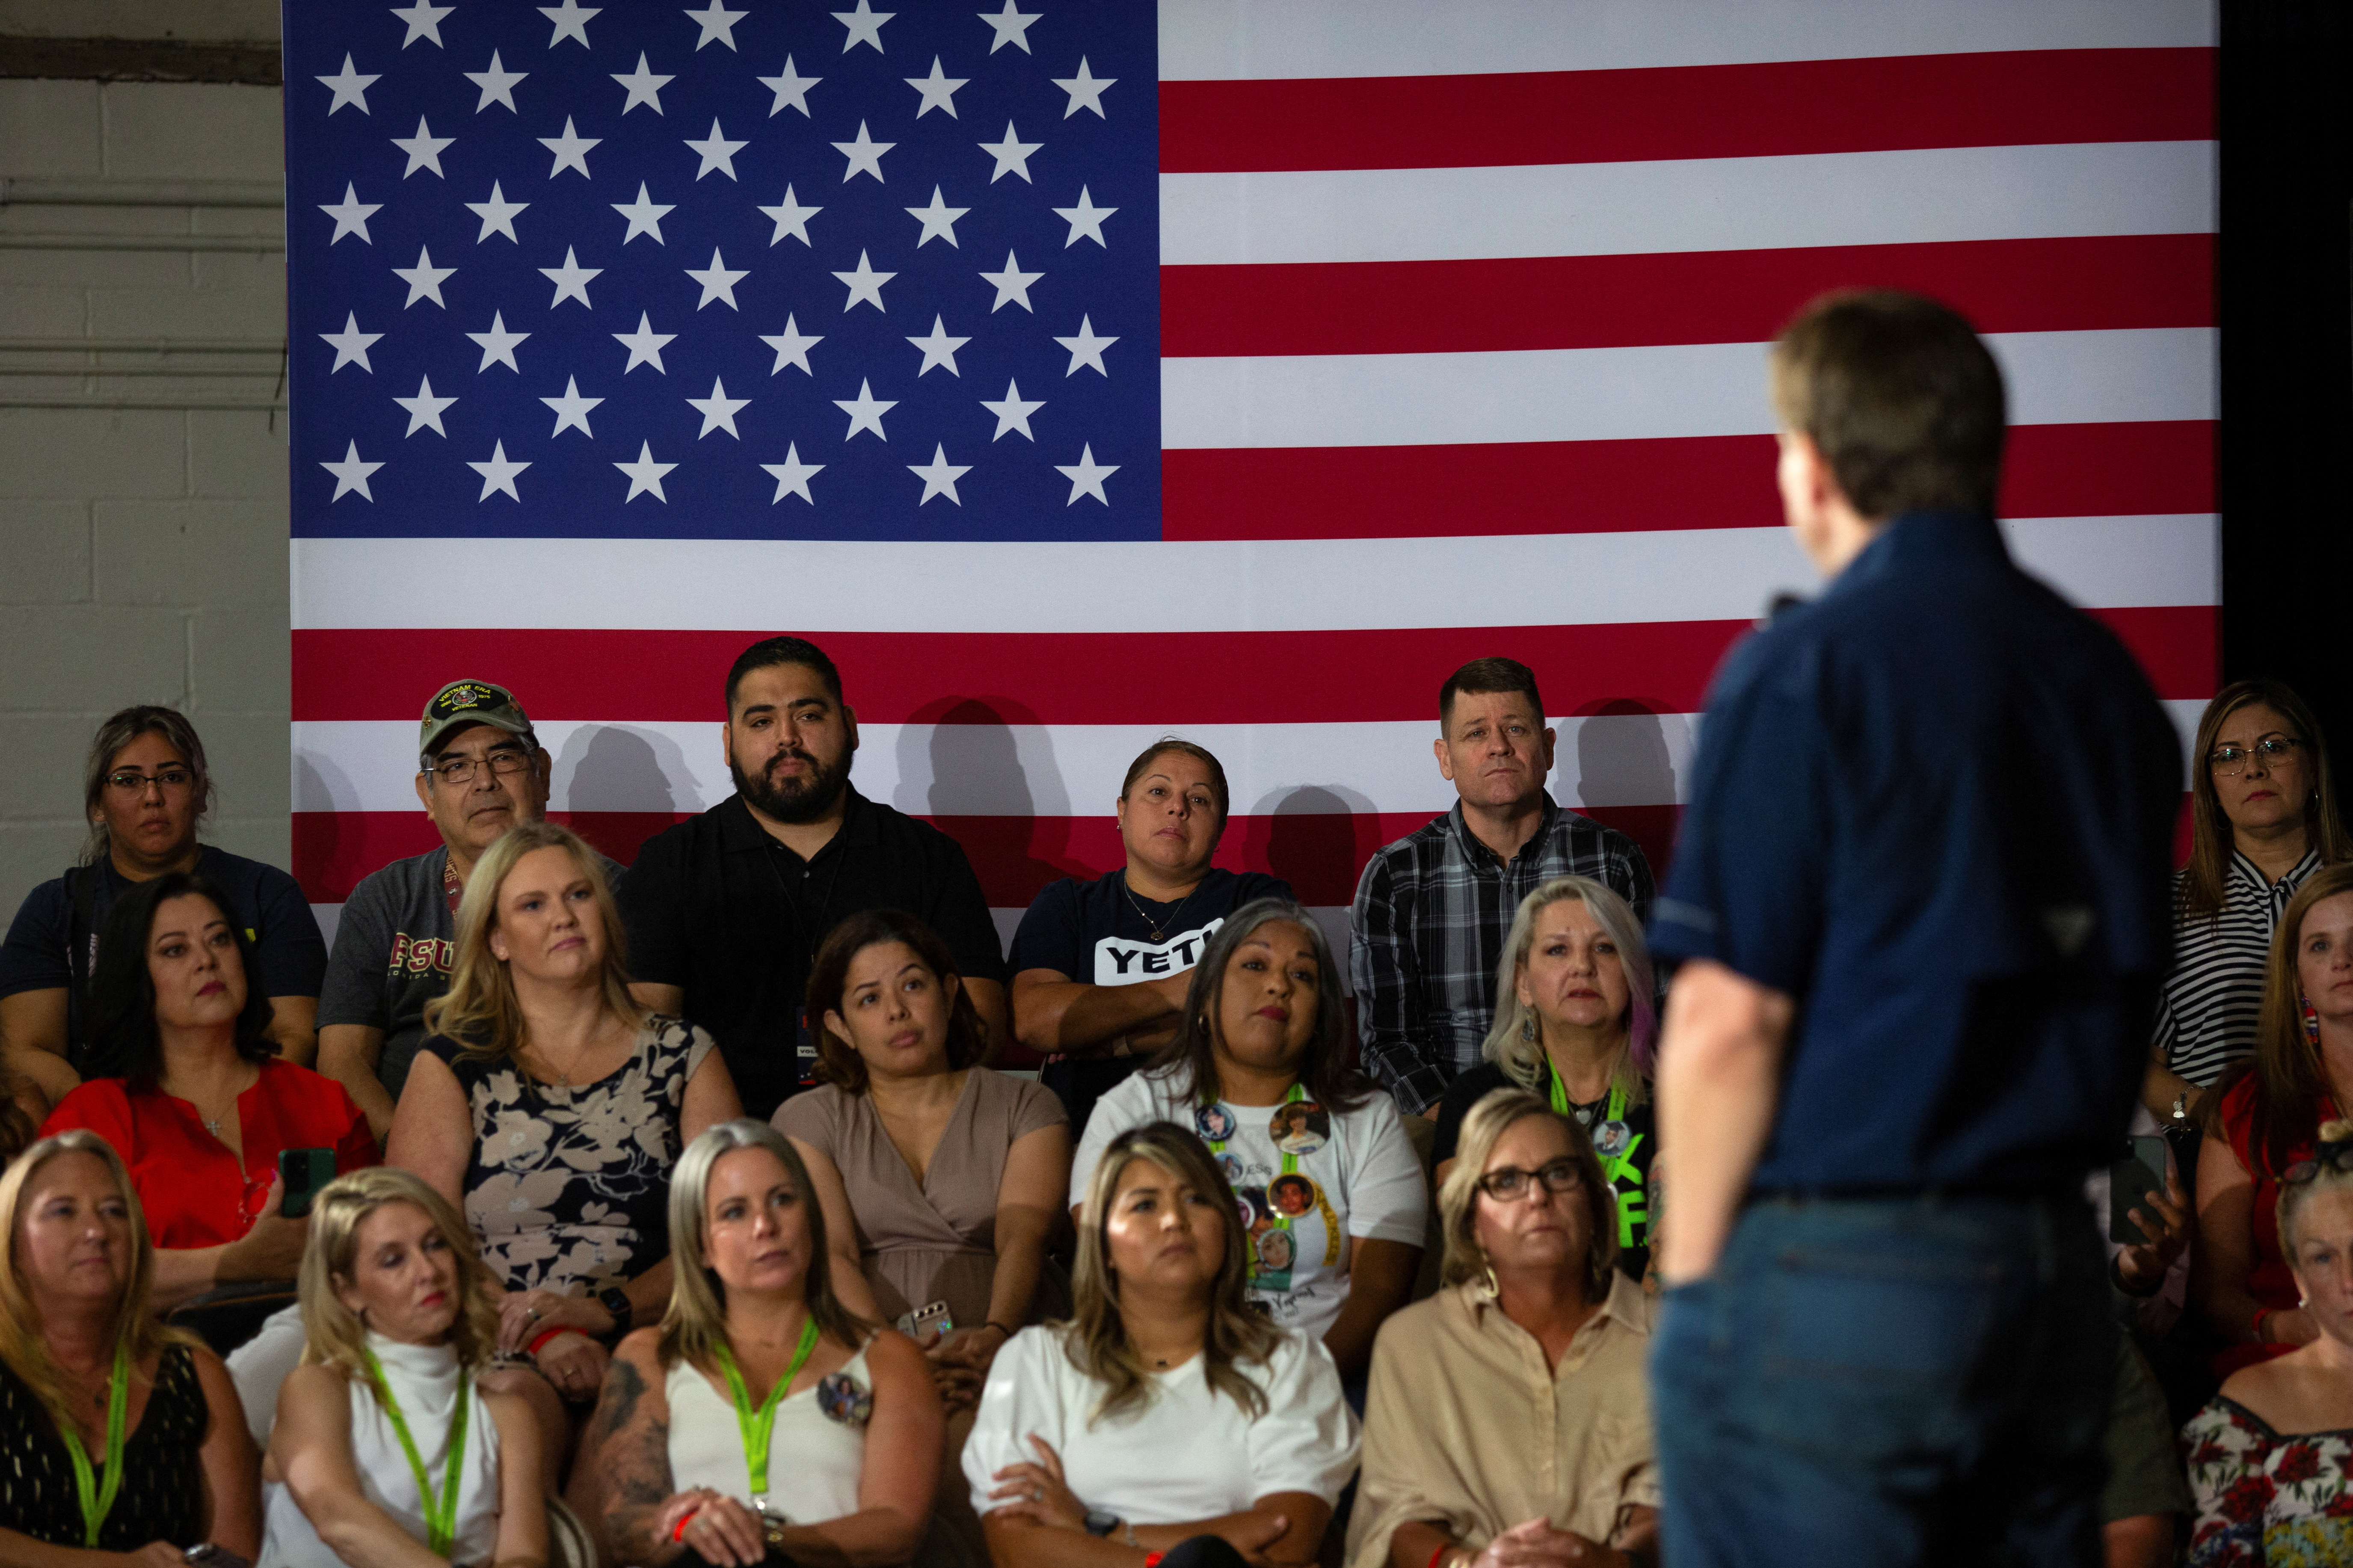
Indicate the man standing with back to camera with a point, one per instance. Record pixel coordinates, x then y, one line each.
1919 899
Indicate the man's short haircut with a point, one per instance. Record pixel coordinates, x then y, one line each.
1904 402
770 651
1488 674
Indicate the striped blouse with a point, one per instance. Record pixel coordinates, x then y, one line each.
2207 1011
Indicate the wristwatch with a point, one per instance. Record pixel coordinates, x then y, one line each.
615 1300
2181 1109
1102 1521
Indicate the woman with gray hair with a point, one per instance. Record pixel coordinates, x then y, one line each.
762 1416
146 788
1508 1420
1328 1185
2267 1456
1573 1022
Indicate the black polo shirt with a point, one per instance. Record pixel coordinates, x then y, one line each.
716 906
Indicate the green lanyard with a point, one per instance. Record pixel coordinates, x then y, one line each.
440 1511
98 1500
1618 1170
759 1424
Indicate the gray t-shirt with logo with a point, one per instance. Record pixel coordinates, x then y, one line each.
394 951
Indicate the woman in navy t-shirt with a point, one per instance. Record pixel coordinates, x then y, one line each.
1099 968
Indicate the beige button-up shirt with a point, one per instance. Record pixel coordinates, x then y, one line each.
1466 1428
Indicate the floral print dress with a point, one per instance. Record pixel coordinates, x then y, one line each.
568 1188
2263 1498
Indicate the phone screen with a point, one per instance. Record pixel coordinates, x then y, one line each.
2137 1171
304 1172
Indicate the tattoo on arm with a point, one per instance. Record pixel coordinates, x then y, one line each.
624 1386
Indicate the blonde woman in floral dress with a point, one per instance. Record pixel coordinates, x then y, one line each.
549 1107
2268 1456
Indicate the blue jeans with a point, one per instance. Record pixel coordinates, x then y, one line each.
1886 1383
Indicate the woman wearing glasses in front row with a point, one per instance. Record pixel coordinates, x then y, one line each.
2262 819
2267 1456
386 1451
1471 1461
1169 1422
2267 1119
118 1438
762 1415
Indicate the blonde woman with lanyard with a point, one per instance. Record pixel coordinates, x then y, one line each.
833 1453
1326 1183
388 1453
118 1438
1573 1022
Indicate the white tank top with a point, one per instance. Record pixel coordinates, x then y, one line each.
425 1379
817 1442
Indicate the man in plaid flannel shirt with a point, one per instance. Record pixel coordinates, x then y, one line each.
1432 910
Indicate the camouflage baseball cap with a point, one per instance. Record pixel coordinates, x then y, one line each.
464 702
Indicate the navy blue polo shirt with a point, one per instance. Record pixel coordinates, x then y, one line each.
1935 806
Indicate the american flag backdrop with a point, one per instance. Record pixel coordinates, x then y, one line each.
1080 371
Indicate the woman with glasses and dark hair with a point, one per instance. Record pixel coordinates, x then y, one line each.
1258 1069
2262 819
2267 1118
1168 1416
185 1087
2267 1456
1509 1416
145 791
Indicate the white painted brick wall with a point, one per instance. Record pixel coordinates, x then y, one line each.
142 551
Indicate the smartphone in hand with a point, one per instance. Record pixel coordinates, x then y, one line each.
304 1172
2137 1171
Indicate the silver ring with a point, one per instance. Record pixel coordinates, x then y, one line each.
531 1314
1037 1494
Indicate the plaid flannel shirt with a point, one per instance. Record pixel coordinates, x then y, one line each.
1426 936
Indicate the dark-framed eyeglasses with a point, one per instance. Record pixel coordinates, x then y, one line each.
170 781
1510 1181
2335 1156
506 761
2231 760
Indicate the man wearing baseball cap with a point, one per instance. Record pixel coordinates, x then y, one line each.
481 771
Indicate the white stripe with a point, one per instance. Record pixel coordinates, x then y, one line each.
1034 770
1282 584
1023 770
1216 39
1632 394
1685 204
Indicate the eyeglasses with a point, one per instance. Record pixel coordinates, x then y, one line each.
2336 1156
170 781
1504 1185
458 770
2274 750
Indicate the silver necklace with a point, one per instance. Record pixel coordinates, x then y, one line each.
1151 924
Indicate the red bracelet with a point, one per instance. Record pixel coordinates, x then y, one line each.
1443 1548
1152 1559
677 1531
545 1336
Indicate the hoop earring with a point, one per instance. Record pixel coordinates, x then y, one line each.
1494 1286
2311 1020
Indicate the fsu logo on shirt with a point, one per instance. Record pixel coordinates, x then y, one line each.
1119 961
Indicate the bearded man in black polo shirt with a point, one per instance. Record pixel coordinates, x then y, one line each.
725 910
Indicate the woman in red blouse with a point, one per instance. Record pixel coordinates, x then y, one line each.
2301 1075
193 1099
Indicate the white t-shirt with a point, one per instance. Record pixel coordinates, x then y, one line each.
1188 1454
1361 1178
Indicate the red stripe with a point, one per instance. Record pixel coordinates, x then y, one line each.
2010 99
1687 297
1014 856
1609 487
1206 678
1215 677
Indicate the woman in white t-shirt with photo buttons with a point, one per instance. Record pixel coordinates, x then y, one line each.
1167 1424
1326 1181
